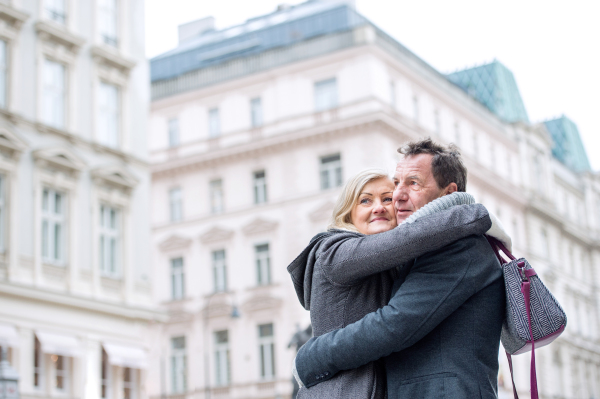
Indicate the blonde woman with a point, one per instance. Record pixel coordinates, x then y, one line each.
343 274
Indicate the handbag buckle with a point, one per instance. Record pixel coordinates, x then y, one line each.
521 266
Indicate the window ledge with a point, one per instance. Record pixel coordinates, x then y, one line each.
51 31
14 20
105 55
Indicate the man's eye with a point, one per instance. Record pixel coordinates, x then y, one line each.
413 183
396 183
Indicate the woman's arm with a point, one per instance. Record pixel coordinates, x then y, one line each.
347 261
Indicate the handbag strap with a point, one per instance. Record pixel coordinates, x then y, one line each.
526 291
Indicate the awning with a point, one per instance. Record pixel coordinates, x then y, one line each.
126 355
8 336
59 344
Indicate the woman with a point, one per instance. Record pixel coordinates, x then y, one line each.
343 274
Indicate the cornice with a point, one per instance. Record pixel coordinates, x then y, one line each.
50 31
13 21
266 145
37 294
174 242
216 234
108 56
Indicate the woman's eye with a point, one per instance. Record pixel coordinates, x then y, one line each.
387 200
364 201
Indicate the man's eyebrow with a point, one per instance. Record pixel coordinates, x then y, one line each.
413 177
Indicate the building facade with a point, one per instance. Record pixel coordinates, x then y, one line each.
75 298
254 129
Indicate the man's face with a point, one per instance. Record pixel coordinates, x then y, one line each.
415 185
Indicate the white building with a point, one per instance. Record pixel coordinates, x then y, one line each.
75 299
253 130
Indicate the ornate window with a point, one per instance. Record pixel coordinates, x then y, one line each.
178 365
173 132
56 10
266 348
222 361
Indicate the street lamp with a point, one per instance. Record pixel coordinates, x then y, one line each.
9 378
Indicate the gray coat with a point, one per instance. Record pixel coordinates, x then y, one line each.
440 331
342 276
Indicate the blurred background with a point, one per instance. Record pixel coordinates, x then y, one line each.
161 163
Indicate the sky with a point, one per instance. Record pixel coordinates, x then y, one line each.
552 47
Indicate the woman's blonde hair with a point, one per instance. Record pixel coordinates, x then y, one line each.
341 217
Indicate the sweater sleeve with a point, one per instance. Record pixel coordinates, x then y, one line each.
347 261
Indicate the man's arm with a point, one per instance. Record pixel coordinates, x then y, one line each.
437 285
348 261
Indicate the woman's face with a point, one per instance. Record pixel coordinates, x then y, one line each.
374 211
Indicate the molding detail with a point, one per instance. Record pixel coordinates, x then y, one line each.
322 212
103 55
263 302
13 21
215 234
174 242
11 144
49 31
115 176
259 225
61 158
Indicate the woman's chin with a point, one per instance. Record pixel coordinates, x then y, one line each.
381 228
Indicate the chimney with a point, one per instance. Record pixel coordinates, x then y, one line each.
195 28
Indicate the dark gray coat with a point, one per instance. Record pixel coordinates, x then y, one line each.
440 331
342 276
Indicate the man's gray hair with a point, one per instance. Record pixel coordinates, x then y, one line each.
447 165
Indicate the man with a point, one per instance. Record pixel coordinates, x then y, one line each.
440 332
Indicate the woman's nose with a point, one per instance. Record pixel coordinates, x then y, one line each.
378 208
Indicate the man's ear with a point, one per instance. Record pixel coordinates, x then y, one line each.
450 188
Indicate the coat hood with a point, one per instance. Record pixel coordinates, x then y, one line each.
301 269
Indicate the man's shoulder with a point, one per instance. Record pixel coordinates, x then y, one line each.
474 248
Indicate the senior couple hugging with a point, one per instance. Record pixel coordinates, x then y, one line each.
406 296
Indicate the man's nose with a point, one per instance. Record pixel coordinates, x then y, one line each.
400 193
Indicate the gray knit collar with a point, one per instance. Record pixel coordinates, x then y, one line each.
440 204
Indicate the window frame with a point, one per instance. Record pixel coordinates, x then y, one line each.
217 196
115 234
326 96
266 352
214 123
219 270
177 278
3 212
4 72
259 184
222 359
56 17
102 10
178 365
54 109
109 122
262 259
256 112
175 204
53 220
173 132
330 171
132 384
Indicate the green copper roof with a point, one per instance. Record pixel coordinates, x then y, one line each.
494 86
568 147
